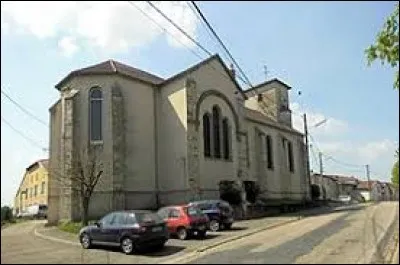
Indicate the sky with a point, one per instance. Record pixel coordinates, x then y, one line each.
315 47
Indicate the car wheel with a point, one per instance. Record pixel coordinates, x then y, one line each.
127 245
86 242
228 226
214 225
182 233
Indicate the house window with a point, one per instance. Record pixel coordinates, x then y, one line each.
270 159
26 193
206 135
216 131
35 193
290 157
226 137
95 126
43 187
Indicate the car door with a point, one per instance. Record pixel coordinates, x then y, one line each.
174 219
113 232
99 233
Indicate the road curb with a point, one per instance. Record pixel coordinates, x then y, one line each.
252 232
194 252
38 234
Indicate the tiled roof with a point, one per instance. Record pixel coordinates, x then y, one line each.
114 67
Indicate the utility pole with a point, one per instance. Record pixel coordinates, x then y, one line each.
321 167
368 178
307 154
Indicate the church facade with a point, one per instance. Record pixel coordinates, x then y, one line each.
168 141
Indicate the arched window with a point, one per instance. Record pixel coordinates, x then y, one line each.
95 122
207 135
216 114
226 138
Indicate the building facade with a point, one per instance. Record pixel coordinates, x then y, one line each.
33 188
167 141
328 186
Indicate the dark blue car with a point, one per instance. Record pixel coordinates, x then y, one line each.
130 230
219 212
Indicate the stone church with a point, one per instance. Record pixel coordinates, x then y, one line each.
168 141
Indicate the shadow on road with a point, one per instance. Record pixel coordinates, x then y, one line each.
166 251
150 252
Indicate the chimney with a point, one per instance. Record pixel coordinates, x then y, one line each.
232 71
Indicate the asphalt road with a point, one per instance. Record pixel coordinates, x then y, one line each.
348 235
320 238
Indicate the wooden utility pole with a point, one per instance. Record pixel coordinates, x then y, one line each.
368 177
321 166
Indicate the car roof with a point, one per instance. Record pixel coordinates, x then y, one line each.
174 206
133 211
207 201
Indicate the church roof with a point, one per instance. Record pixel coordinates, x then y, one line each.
113 67
257 116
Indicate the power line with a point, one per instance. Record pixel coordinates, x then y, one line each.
177 39
220 41
23 109
179 28
329 157
33 142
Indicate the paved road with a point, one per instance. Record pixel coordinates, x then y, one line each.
289 243
348 235
21 245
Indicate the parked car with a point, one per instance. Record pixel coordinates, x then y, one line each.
130 230
346 199
219 212
184 221
36 211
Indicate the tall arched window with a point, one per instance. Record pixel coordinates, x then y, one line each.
95 123
216 131
226 138
207 135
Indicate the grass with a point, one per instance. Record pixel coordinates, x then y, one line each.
71 227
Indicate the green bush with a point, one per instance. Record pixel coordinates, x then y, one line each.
6 214
70 227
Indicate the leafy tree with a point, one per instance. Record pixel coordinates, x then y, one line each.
386 46
6 214
395 170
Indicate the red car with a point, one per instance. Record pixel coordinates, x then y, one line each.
183 221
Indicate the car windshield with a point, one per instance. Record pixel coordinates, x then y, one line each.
148 217
193 211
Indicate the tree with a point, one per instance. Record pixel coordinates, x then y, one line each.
386 46
315 191
82 177
395 170
6 214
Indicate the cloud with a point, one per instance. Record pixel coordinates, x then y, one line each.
68 46
332 127
343 154
109 26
